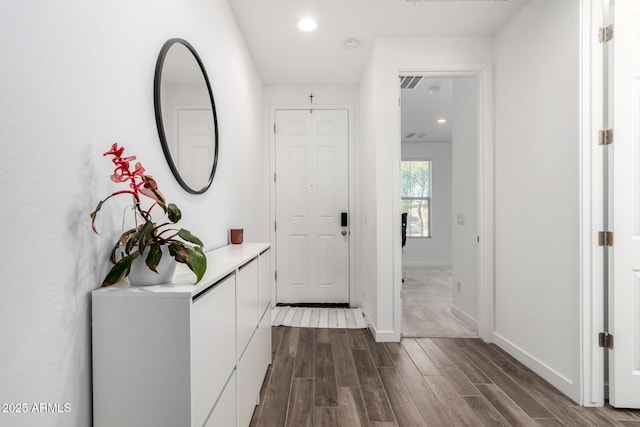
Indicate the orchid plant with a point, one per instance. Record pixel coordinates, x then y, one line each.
147 235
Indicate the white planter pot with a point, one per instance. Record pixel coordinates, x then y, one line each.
141 275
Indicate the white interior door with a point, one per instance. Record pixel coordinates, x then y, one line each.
312 182
195 147
624 286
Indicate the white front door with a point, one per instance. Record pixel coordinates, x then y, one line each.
624 285
312 182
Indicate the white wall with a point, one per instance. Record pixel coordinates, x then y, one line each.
536 176
537 190
465 125
380 157
436 250
322 95
365 237
80 78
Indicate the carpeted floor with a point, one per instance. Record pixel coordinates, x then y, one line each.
427 304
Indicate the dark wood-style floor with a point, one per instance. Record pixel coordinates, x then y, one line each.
338 377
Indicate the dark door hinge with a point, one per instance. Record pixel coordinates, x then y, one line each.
605 340
605 238
605 137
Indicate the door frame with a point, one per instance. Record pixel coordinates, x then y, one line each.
485 191
351 190
592 193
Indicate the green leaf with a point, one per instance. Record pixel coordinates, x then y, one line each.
95 213
186 235
193 257
130 242
120 270
178 250
154 256
174 247
128 239
93 216
144 235
173 213
197 261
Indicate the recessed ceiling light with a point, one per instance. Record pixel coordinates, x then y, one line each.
442 121
307 24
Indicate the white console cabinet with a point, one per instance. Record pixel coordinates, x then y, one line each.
180 354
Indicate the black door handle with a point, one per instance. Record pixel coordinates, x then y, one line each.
343 219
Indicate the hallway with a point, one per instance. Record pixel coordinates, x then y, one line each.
339 377
426 304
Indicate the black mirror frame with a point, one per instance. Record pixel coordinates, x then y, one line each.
158 111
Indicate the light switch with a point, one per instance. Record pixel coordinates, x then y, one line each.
460 219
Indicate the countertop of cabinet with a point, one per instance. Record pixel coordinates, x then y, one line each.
220 263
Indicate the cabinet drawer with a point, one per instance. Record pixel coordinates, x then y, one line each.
224 413
212 346
263 338
247 393
247 285
252 368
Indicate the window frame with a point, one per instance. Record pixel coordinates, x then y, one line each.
428 198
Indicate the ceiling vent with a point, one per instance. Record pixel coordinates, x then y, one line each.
409 82
455 1
416 136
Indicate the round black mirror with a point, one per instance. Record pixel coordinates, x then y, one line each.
186 116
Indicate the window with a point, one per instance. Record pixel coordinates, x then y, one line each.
415 177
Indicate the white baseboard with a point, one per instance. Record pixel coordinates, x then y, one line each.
379 336
385 336
556 379
470 321
426 264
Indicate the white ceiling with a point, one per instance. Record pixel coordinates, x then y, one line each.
285 55
421 108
